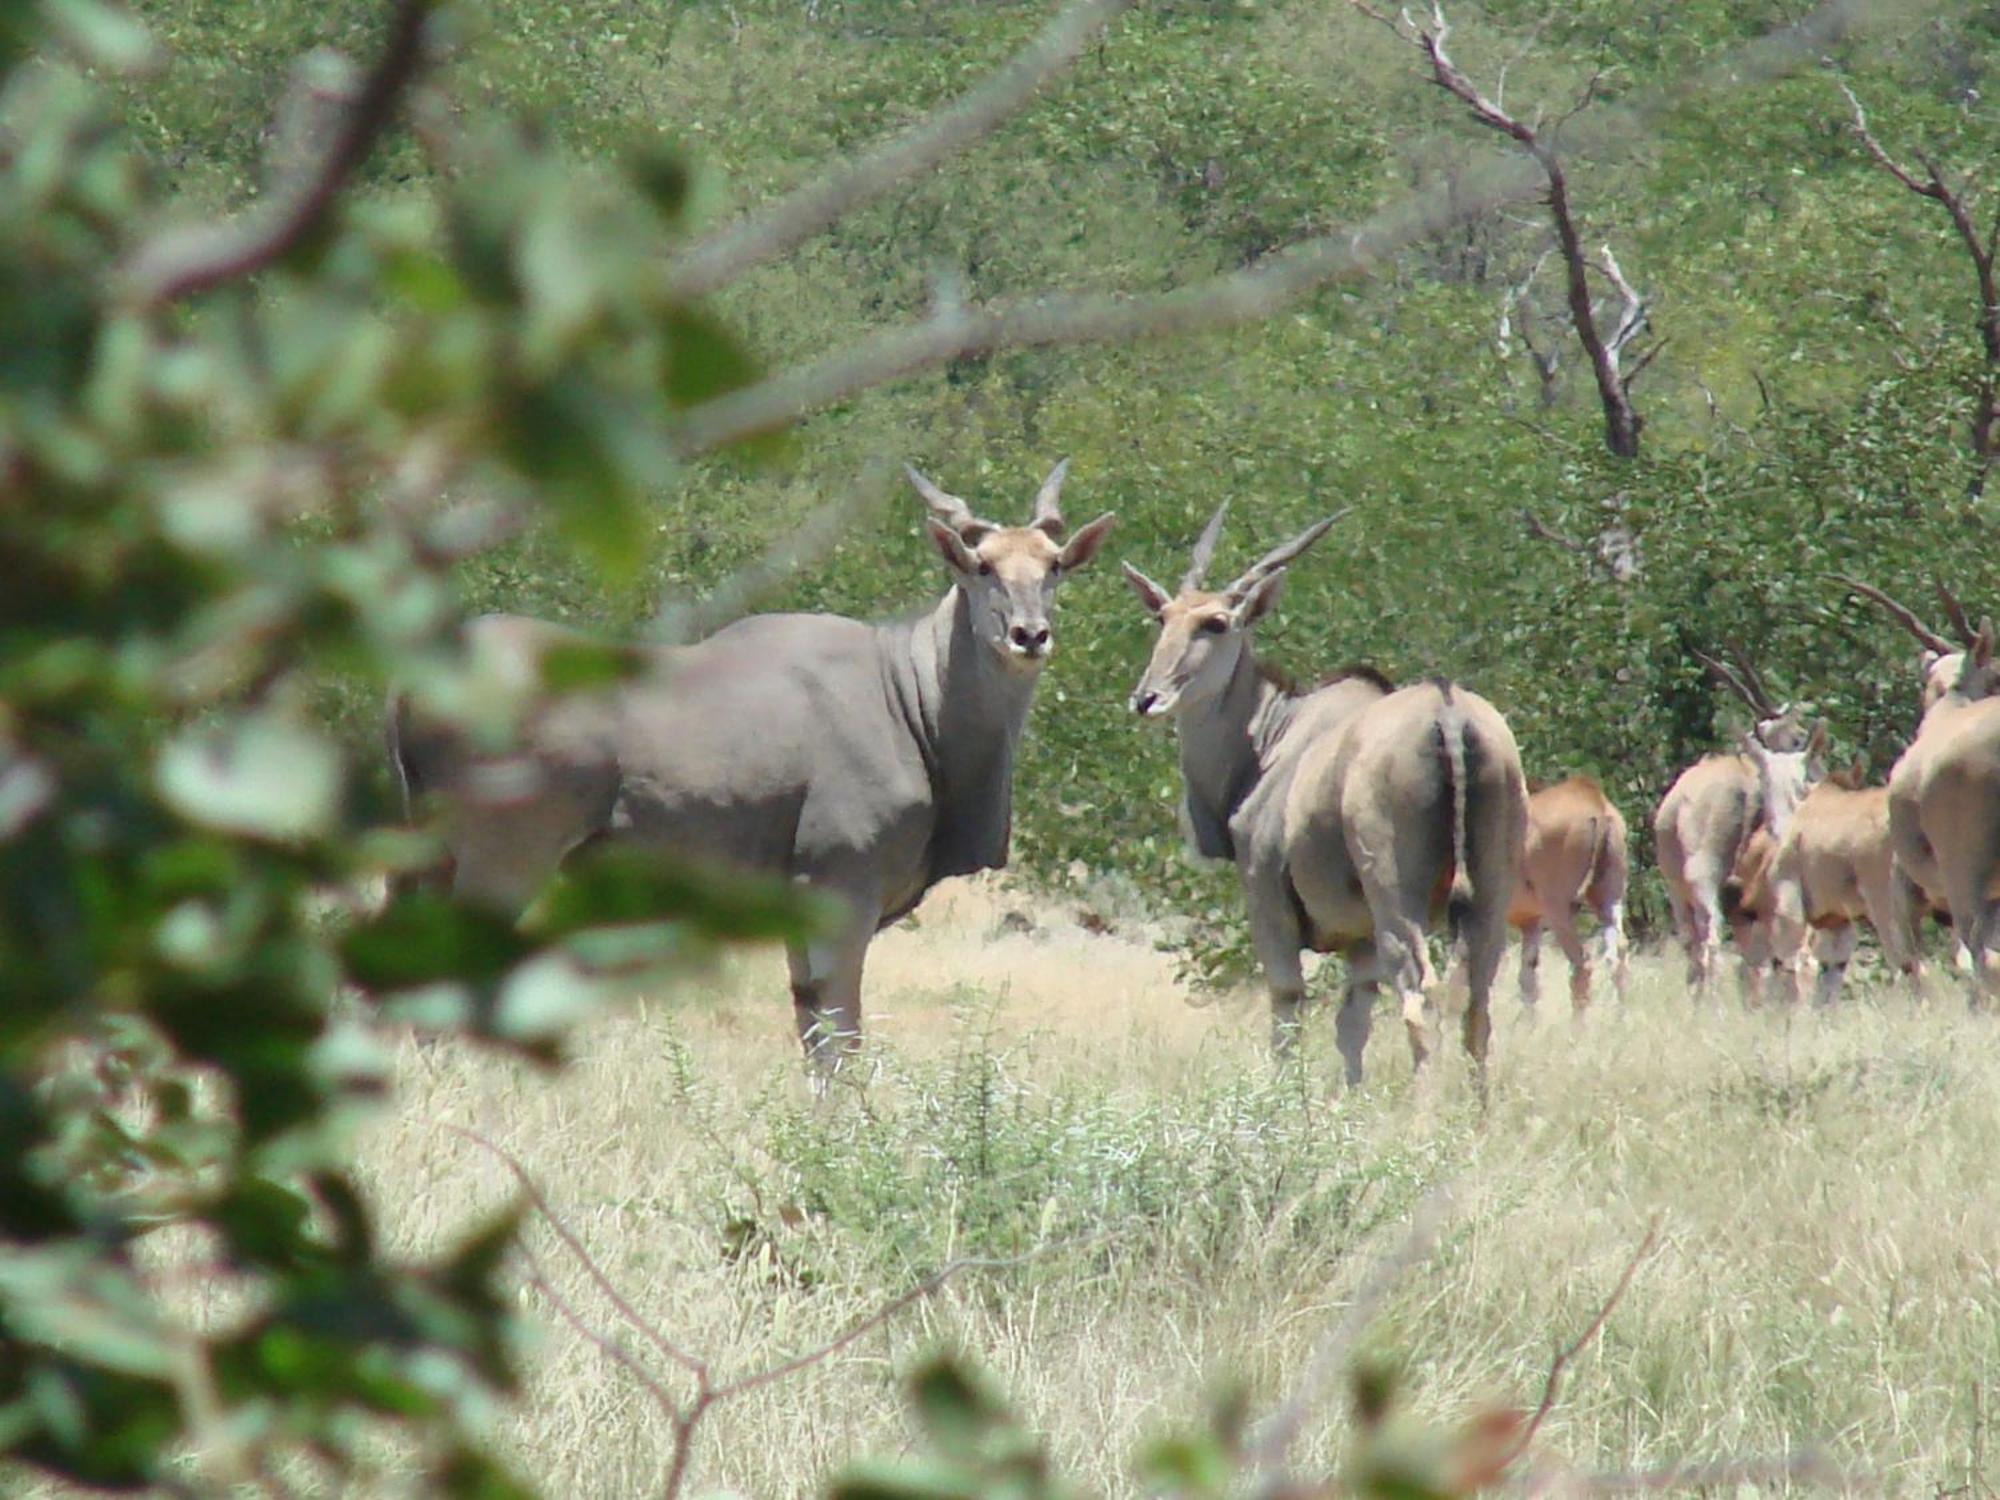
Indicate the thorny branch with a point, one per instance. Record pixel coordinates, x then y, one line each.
1981 249
684 1418
769 232
1622 422
181 263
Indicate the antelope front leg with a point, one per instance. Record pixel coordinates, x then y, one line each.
826 992
1572 947
1531 965
1357 1010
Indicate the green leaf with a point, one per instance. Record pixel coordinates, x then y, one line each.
424 938
906 1479
264 776
703 359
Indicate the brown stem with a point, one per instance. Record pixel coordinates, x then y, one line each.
1553 1383
181 263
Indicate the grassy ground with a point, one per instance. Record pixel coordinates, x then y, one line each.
1823 1183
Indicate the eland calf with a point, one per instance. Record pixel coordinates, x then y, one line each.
866 761
1354 812
1575 857
1835 866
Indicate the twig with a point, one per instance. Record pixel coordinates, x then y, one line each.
767 233
1267 1452
611 1348
1553 1384
684 1418
181 263
698 1368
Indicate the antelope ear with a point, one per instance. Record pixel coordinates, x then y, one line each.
951 546
1981 649
1816 742
1082 547
1150 593
1263 594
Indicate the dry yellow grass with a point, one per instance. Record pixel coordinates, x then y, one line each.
1829 1267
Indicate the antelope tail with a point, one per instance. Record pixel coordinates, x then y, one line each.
1451 729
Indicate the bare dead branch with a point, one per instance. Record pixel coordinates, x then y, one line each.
780 227
1553 1384
1622 422
181 263
616 1352
1268 1450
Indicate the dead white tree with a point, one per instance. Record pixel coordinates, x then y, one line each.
1960 203
1605 342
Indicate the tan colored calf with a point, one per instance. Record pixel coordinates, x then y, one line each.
1575 856
1836 865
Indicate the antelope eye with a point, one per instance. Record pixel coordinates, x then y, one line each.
985 568
1214 625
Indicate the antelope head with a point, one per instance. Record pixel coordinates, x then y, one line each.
1205 633
1009 574
1789 761
1785 776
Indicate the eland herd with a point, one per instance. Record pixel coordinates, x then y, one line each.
870 761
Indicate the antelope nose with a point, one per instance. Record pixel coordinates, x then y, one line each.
1033 640
1143 700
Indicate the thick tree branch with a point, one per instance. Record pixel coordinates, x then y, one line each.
766 233
181 263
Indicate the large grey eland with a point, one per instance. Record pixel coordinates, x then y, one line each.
1354 812
1942 670
1705 829
868 761
1944 805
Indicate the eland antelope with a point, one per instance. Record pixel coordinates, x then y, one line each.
1944 804
867 761
1945 677
1708 816
1836 865
1575 856
1354 812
